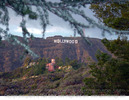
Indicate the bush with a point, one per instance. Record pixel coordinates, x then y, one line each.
53 77
72 80
34 86
74 63
54 85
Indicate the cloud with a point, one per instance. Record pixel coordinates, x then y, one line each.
58 29
31 30
50 31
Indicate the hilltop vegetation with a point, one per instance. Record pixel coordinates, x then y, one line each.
39 67
36 80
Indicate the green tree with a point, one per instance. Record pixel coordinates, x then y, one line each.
67 61
43 60
39 67
114 15
59 61
119 47
74 63
109 75
26 61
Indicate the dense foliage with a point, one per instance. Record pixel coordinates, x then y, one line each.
27 70
110 75
75 64
119 47
36 67
113 15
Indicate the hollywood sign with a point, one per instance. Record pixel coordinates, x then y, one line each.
66 41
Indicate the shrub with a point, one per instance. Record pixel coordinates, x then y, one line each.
74 63
72 80
34 86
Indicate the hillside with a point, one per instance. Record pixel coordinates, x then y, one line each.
10 54
57 83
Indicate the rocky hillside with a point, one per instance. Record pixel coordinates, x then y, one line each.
10 54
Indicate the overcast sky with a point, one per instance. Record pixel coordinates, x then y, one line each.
59 27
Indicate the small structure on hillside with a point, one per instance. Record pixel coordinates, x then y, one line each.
32 64
50 66
65 68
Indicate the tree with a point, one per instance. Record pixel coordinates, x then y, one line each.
68 8
75 65
26 61
119 48
39 67
113 14
109 75
59 61
67 61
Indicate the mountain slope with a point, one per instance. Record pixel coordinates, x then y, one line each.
10 54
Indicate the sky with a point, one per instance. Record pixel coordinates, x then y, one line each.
57 27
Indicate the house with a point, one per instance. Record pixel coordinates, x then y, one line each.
50 66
